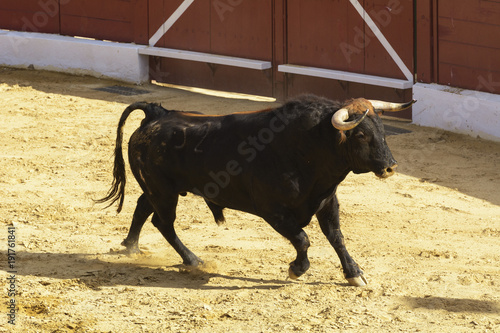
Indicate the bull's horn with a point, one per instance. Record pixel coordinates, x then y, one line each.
339 120
379 106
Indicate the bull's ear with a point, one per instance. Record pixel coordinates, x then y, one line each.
379 112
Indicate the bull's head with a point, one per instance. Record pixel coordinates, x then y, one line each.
365 139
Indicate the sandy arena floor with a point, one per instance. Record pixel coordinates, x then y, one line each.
427 238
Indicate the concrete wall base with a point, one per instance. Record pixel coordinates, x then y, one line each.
457 110
82 56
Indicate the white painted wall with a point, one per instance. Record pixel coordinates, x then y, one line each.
453 109
74 55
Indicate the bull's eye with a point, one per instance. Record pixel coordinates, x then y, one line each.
360 135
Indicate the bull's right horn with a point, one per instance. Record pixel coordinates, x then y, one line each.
379 106
339 120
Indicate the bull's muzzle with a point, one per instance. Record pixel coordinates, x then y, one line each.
387 172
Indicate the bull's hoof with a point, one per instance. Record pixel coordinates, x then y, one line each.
294 273
291 274
358 281
193 262
132 248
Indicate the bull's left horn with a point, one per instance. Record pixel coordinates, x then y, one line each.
339 120
379 106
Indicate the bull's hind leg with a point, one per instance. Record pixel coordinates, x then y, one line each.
164 219
141 213
328 217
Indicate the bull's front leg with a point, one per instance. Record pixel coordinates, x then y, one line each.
301 264
289 229
328 217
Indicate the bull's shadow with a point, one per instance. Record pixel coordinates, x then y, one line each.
96 273
453 304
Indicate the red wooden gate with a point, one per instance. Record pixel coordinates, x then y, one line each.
238 29
320 46
333 36
115 20
30 15
458 44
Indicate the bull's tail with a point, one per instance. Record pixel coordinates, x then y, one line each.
117 190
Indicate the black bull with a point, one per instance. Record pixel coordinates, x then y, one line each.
281 164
